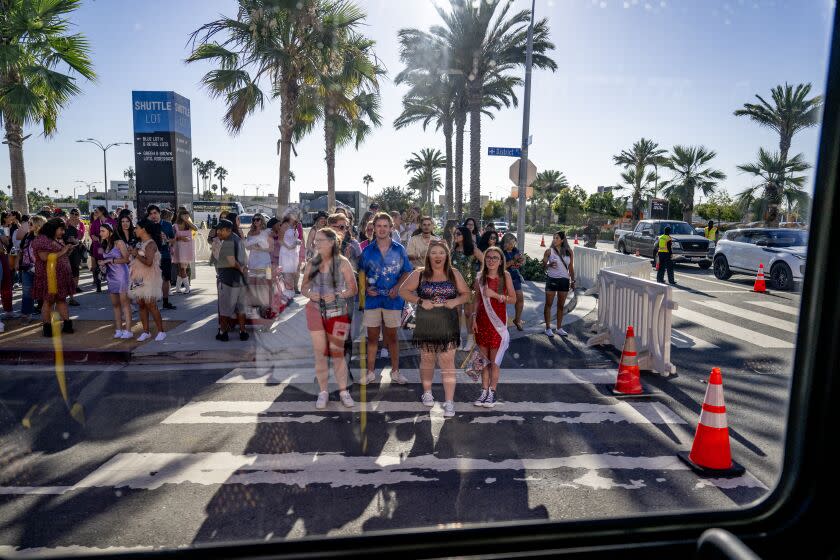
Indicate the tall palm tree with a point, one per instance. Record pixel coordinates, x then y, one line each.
214 187
790 112
367 180
221 174
547 186
210 166
425 183
197 163
424 165
281 42
39 61
485 42
691 172
778 179
345 97
204 171
643 154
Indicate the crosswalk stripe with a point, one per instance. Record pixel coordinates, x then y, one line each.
761 318
787 309
682 339
259 412
305 375
726 328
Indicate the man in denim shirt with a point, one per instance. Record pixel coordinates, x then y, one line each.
386 267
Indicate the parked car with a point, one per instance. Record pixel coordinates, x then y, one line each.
780 250
687 246
501 227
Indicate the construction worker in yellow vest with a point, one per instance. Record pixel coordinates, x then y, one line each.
710 232
664 253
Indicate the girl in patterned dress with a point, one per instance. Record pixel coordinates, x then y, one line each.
466 259
494 286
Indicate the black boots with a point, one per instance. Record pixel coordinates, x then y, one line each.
68 327
47 329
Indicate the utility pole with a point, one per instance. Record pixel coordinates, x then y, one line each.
526 121
104 149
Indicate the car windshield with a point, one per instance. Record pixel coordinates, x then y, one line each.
788 238
677 228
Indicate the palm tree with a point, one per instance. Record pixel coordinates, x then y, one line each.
790 112
367 180
39 59
345 97
691 172
282 44
779 179
197 163
215 187
483 44
224 191
221 174
204 171
547 186
424 164
635 161
425 183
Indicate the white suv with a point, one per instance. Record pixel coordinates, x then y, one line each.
781 251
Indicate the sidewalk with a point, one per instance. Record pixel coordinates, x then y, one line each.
191 330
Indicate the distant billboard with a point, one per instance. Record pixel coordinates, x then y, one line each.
162 149
659 209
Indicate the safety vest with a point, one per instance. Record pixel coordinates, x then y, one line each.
663 243
711 233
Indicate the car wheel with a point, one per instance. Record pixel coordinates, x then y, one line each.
721 268
782 276
622 249
704 264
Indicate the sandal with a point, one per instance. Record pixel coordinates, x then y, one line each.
518 325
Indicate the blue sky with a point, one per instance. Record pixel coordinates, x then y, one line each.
671 70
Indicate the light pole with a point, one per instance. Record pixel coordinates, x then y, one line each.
104 149
526 122
87 184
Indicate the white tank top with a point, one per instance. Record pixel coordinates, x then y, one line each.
561 270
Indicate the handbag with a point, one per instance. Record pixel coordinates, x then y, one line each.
409 316
475 363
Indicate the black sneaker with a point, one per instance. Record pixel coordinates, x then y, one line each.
73 301
223 336
491 399
243 335
167 305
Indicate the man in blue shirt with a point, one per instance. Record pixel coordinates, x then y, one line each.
386 267
167 235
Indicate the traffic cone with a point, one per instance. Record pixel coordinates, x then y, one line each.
759 285
542 241
628 382
576 240
710 453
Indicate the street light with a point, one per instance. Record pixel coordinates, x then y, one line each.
104 149
87 184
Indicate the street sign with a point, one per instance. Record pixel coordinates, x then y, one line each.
529 192
514 172
507 152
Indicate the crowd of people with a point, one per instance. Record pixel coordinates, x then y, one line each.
384 272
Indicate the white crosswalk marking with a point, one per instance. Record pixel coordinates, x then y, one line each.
726 328
788 309
682 339
761 318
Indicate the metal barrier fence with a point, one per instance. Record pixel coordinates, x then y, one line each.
626 296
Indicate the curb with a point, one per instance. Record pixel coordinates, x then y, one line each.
71 357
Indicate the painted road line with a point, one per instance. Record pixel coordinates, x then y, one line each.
786 309
719 283
682 339
151 471
259 412
510 376
727 329
760 318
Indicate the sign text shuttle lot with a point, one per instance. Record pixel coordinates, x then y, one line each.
162 148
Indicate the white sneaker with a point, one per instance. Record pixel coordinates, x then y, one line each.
427 399
398 378
321 403
480 400
549 333
561 332
160 336
127 335
118 334
448 409
346 399
370 377
143 337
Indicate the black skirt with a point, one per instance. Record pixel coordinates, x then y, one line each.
437 330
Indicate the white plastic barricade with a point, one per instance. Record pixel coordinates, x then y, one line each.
624 300
202 248
589 262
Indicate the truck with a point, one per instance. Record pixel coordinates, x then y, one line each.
687 246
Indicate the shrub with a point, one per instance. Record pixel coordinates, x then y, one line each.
533 269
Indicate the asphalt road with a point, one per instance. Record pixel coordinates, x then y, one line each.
171 456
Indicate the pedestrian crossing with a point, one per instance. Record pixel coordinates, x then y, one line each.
710 324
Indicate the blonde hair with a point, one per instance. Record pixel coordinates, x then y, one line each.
37 221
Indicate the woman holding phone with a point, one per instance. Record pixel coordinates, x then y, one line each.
558 261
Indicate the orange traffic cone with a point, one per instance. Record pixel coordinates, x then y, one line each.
759 285
628 382
710 452
542 241
576 240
